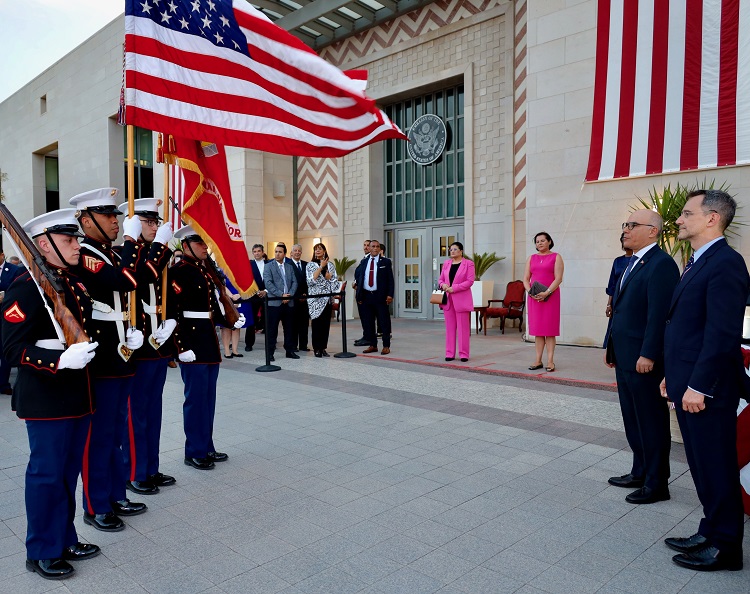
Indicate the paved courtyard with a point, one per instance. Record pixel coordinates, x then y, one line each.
385 477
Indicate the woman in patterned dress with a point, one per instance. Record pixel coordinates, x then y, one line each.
321 278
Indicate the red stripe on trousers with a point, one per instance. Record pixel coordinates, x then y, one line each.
131 435
85 473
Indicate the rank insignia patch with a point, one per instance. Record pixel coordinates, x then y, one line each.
176 287
92 264
14 314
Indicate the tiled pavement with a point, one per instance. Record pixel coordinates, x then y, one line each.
377 476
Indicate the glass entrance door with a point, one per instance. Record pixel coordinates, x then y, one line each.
410 258
442 238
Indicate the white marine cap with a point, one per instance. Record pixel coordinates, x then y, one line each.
187 233
103 201
144 207
61 221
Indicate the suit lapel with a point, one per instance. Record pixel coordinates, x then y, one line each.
640 264
695 271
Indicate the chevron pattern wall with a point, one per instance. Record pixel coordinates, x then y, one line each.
519 107
407 26
318 193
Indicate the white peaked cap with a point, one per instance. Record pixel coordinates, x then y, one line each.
61 221
102 200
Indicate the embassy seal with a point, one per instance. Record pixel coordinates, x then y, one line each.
427 138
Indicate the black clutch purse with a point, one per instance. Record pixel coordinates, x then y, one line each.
537 288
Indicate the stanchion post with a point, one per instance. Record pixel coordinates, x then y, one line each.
267 366
344 354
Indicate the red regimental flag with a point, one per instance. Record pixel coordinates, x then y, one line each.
208 208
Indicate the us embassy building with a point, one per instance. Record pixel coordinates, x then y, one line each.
510 90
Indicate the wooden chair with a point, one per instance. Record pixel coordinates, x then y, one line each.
512 308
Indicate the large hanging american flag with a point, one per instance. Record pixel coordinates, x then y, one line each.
221 70
672 87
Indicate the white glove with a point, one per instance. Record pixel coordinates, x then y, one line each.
132 227
164 331
187 356
218 300
241 322
134 339
164 234
77 356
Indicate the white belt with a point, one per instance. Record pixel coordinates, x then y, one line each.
204 315
50 343
110 316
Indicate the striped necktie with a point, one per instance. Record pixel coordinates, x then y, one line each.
689 264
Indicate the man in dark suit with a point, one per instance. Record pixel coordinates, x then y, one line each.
258 264
280 281
635 348
301 311
375 286
8 273
366 247
704 377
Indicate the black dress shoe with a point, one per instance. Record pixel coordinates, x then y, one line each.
292 355
628 481
709 559
230 356
142 487
647 495
51 569
248 349
108 522
324 353
686 545
80 551
450 358
200 463
361 342
318 354
126 507
161 480
217 456
272 358
464 359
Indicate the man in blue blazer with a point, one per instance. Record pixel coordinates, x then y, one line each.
635 348
280 281
8 273
375 287
704 378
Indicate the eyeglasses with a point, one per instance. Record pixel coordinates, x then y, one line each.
685 214
150 222
630 226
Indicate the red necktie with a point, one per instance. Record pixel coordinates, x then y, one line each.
372 271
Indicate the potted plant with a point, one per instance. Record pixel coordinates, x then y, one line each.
481 291
342 265
669 204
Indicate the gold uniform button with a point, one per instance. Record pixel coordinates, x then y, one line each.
28 359
52 365
39 361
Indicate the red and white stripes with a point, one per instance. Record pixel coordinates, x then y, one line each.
671 87
519 106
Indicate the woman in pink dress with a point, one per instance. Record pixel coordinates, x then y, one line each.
547 268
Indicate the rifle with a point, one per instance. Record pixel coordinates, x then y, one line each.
45 279
230 310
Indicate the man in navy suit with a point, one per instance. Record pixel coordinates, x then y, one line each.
301 311
8 273
704 378
375 286
635 348
258 264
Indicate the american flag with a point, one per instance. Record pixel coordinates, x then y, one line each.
221 70
672 87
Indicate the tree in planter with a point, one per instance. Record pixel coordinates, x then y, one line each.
342 265
669 204
483 262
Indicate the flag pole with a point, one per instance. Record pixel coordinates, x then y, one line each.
131 201
166 219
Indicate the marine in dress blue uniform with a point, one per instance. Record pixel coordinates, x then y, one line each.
143 431
193 302
53 395
109 276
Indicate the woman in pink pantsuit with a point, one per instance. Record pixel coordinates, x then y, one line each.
456 279
547 268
